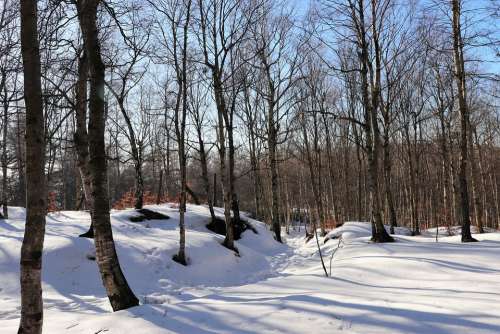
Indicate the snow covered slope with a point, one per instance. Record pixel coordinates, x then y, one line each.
412 286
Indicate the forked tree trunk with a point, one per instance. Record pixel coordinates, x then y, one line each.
119 293
379 234
36 195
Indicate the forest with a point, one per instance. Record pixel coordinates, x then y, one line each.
266 139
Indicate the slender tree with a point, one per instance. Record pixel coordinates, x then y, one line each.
36 195
458 58
119 293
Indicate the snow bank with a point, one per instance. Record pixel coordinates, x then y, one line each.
354 230
145 250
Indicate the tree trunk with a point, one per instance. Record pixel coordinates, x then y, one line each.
235 204
139 184
36 194
387 165
464 121
312 173
5 210
204 173
214 197
379 234
475 183
226 186
388 184
81 137
159 194
21 196
271 142
119 293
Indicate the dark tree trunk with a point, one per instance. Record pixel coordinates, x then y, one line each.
221 138
387 174
379 234
119 293
5 210
271 142
214 197
464 121
475 183
204 172
159 195
235 204
81 137
21 196
193 195
250 123
139 183
180 130
36 195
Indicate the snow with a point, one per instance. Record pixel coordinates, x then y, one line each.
354 230
414 285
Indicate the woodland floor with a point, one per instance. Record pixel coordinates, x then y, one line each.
414 285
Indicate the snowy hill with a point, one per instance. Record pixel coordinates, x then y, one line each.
412 286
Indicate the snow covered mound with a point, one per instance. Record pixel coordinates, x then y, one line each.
354 230
145 251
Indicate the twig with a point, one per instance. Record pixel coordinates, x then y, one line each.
340 244
319 249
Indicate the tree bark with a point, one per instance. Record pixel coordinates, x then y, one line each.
36 195
159 194
464 121
204 172
475 182
81 137
379 234
5 210
221 138
119 293
271 142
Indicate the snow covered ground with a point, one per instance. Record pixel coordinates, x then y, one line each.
412 286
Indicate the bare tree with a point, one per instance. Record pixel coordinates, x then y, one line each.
223 25
81 137
278 63
198 109
119 293
458 58
128 76
36 196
